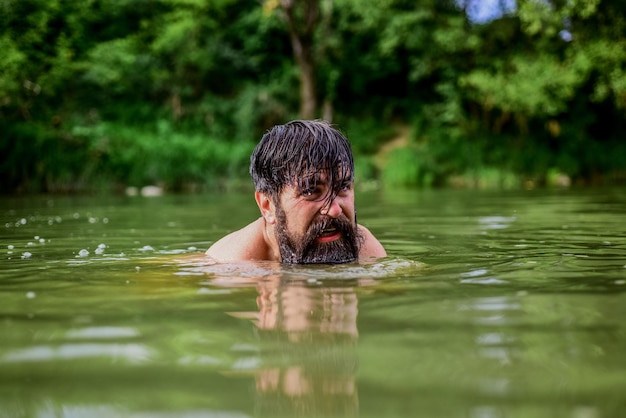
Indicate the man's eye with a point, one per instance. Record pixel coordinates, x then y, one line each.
345 187
309 191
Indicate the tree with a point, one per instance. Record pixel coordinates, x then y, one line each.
302 18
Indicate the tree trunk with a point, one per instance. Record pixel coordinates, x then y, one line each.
302 23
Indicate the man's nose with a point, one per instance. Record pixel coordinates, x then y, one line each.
332 209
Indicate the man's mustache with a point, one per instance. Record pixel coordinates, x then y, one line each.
323 222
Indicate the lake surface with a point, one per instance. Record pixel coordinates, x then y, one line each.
490 304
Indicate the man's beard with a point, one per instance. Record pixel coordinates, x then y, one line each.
307 250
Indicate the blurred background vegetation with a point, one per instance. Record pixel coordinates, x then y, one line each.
107 94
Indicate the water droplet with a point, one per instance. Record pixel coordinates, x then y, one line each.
23 221
36 237
10 247
83 253
146 248
41 240
31 295
105 220
26 254
93 220
137 268
192 248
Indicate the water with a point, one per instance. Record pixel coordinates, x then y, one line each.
490 304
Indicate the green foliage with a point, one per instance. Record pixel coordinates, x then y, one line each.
111 154
607 58
176 92
529 85
41 159
114 65
402 169
366 134
547 18
140 156
12 60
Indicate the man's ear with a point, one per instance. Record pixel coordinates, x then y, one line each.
266 205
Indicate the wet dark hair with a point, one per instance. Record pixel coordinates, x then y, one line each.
298 154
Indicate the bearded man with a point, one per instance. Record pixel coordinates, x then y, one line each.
303 174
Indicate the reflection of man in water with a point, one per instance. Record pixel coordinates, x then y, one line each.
309 361
303 174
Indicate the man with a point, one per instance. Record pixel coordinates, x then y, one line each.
303 174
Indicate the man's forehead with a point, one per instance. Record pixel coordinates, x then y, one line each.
322 176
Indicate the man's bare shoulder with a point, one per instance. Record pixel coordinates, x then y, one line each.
371 247
244 244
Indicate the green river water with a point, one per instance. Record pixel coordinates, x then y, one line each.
490 304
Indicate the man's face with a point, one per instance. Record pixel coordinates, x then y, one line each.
310 229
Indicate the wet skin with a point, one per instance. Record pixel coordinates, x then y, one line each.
301 207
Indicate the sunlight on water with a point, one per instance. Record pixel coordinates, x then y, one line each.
489 305
133 353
